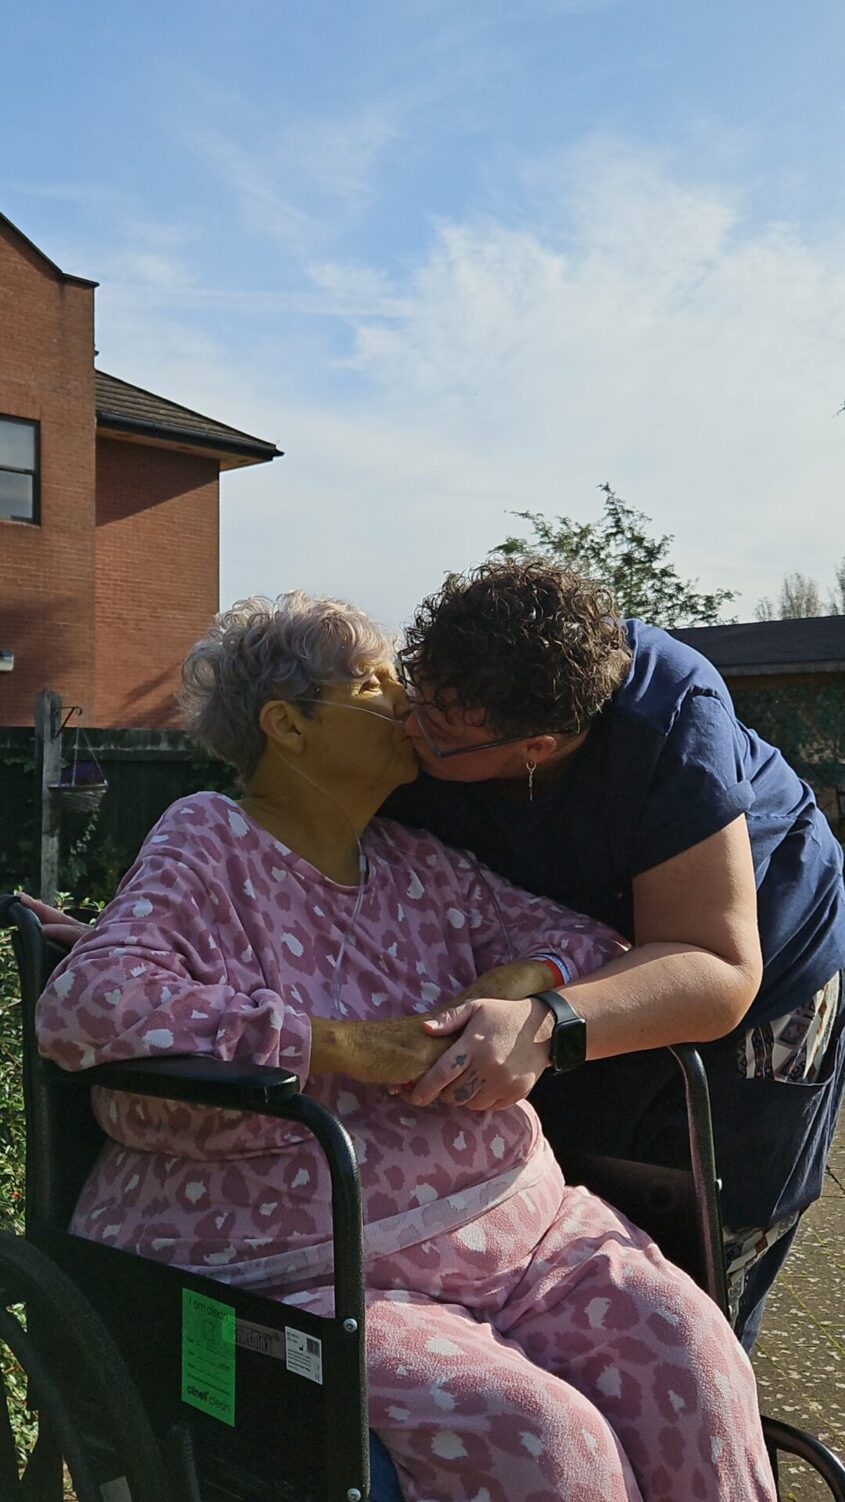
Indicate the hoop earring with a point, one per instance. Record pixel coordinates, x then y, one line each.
531 767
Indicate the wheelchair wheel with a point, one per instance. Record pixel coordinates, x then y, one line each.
784 1439
89 1416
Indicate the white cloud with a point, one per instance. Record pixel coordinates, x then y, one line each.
639 330
301 185
340 157
260 187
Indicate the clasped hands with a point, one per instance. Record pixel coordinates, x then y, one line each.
486 1049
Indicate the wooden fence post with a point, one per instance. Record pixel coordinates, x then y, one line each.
48 765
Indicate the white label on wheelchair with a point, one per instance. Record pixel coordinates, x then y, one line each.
304 1354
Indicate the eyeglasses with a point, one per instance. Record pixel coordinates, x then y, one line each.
505 740
412 694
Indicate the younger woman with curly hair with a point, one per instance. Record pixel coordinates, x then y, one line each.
599 761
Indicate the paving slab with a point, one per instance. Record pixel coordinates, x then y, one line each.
800 1354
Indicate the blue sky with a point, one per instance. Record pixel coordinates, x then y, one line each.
459 258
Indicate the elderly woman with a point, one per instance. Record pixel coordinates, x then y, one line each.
524 1340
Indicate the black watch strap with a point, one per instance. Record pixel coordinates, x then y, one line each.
568 1046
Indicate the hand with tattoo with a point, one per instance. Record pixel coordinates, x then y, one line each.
471 1083
500 1053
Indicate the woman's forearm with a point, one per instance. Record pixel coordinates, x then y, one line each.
390 1052
331 1046
654 995
659 994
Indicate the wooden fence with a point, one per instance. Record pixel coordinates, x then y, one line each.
146 770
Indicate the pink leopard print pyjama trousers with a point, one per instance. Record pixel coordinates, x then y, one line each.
591 1371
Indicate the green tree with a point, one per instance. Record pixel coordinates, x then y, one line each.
619 551
836 599
800 597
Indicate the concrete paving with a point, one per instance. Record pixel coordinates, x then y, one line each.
800 1354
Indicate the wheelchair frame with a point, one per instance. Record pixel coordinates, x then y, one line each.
192 1456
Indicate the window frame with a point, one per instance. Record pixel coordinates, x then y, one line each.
11 469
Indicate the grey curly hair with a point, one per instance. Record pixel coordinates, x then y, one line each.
289 648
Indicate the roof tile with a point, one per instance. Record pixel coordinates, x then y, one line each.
131 407
806 641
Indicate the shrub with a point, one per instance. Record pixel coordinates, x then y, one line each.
12 1169
11 1094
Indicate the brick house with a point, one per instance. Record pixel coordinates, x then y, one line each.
109 500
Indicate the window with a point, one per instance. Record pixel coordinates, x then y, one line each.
18 469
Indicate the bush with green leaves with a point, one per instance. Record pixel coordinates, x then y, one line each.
620 552
11 1094
12 1169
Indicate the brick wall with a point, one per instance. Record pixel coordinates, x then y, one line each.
100 600
156 575
47 571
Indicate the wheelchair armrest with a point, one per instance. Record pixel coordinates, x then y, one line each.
198 1079
231 1085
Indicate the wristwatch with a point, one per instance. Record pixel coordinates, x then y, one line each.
568 1046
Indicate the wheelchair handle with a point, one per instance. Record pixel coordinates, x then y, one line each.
708 1207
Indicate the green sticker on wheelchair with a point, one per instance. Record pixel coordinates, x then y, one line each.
208 1356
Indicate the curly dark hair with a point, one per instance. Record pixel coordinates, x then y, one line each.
539 647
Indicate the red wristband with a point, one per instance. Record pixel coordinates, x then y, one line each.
557 973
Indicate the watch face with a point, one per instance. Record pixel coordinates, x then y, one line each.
569 1036
569 1044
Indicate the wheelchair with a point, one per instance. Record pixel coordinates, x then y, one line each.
153 1385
